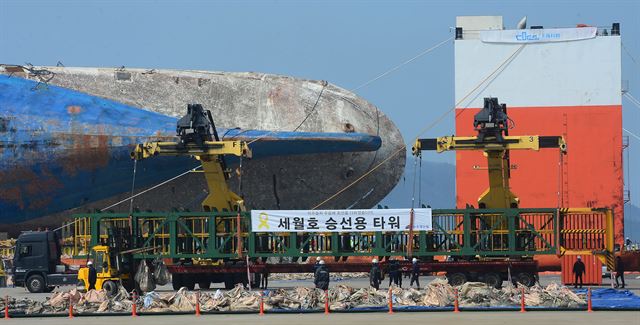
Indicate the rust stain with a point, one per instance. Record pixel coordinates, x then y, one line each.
12 195
74 110
90 152
20 184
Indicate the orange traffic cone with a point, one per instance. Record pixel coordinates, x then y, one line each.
6 307
261 303
390 301
326 302
134 311
455 302
198 303
522 309
70 309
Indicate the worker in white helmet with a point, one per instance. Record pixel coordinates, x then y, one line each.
315 267
93 276
375 275
415 273
321 276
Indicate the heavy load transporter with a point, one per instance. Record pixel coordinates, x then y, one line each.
493 243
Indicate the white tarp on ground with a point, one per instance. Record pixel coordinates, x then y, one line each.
537 35
365 220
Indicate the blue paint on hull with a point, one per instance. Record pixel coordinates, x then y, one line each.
61 148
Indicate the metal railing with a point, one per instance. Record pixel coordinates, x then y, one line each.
462 232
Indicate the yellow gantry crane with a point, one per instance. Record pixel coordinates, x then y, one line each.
198 140
492 125
209 153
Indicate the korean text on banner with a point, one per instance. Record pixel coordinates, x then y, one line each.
537 35
339 220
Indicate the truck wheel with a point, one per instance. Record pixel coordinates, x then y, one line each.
228 282
190 284
526 279
35 284
110 287
129 285
457 279
493 280
204 284
176 282
80 286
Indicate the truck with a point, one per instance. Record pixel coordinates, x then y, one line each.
37 265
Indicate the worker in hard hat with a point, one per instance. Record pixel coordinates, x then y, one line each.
93 276
375 275
264 279
578 271
415 273
315 266
321 276
394 271
619 271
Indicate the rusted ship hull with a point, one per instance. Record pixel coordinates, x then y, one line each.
66 134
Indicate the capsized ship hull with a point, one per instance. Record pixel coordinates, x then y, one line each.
65 136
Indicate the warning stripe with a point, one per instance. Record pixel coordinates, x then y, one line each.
582 231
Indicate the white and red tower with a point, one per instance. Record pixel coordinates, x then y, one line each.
555 81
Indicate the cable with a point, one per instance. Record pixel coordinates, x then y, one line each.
152 188
403 64
431 125
133 184
632 99
324 85
628 53
136 195
631 133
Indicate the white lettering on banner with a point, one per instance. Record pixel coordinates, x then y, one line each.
339 220
537 35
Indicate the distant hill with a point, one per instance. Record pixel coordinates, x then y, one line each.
438 191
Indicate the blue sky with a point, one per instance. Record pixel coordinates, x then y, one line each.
344 42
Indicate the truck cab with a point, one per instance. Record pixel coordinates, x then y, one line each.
37 265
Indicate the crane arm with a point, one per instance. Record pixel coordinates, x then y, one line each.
526 142
208 148
199 138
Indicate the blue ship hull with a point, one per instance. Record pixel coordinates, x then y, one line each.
61 148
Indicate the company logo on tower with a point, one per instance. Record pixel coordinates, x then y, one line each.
525 36
537 35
